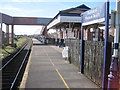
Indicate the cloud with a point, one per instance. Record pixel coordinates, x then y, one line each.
29 13
27 29
9 7
19 11
56 0
30 0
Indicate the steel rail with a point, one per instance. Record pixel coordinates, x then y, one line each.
14 81
12 57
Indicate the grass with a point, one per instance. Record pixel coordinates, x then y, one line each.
20 41
6 50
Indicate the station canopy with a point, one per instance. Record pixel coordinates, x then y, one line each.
64 17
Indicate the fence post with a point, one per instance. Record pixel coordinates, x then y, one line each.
82 51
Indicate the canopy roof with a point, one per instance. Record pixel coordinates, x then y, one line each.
72 15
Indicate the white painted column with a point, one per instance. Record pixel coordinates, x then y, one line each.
117 30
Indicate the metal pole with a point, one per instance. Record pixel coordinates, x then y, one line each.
104 77
113 77
82 51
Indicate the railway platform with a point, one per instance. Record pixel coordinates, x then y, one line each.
47 69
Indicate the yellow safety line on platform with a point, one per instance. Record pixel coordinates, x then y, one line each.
58 72
62 79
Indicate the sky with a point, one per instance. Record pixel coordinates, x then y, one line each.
42 8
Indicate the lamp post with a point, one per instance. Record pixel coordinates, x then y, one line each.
106 44
113 77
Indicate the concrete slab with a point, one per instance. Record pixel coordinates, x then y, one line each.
49 70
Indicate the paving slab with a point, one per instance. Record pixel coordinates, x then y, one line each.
49 70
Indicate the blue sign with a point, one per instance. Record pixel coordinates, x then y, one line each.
95 15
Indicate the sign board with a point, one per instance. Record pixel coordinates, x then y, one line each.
95 15
119 11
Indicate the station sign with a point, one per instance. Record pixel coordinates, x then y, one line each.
95 15
119 11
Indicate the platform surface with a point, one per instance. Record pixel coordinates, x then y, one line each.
49 70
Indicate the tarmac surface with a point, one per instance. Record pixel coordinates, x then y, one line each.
47 69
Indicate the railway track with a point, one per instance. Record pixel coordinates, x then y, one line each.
12 71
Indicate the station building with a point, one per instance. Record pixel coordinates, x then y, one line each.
67 24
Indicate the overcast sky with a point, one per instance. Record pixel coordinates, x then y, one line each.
42 8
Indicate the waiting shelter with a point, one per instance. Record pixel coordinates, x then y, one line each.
68 22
